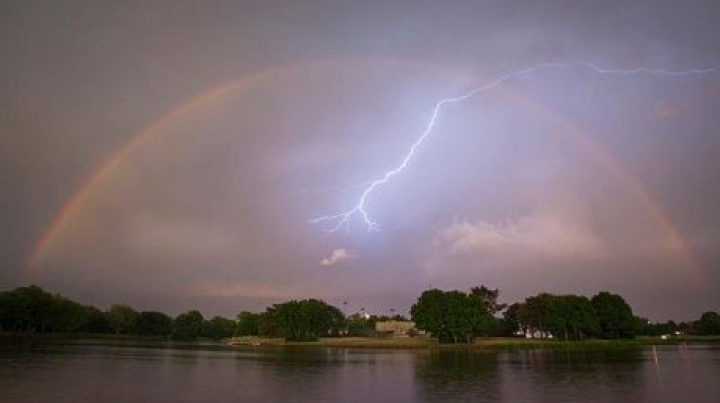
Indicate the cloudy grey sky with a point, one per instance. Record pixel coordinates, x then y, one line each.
170 154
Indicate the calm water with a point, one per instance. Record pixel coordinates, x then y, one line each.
31 372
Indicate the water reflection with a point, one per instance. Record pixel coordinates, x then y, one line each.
581 374
40 372
458 376
343 375
683 371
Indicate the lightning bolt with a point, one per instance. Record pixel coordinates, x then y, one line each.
359 209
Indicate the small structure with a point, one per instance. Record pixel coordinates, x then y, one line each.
532 333
397 328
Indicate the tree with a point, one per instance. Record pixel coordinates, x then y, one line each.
615 317
584 322
267 323
218 328
67 316
467 317
306 320
361 325
32 309
27 309
97 321
709 324
428 313
451 316
247 324
153 323
123 319
489 298
572 317
569 317
187 326
535 314
510 322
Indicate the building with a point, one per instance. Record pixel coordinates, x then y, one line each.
396 328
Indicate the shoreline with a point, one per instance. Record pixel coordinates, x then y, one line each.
399 343
491 343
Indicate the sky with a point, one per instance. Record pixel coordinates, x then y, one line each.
172 155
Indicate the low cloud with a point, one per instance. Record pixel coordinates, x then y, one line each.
175 236
243 289
536 235
665 109
336 256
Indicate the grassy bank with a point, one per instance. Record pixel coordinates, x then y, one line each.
419 342
483 343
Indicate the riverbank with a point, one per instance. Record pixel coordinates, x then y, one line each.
199 372
418 342
482 343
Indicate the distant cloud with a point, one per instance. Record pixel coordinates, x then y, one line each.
665 109
336 256
310 156
243 289
546 235
172 235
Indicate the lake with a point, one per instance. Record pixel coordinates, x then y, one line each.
89 372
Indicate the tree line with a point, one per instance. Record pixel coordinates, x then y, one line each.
32 310
451 316
456 316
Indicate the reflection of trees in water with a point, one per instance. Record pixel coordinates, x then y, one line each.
585 374
458 375
592 374
618 364
328 374
290 358
300 366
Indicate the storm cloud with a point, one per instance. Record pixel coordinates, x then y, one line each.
172 155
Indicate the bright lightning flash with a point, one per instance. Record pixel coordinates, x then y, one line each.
342 219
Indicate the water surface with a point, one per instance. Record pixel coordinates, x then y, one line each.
42 372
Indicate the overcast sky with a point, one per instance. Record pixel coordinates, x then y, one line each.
189 145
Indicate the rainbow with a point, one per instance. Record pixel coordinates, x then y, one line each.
675 238
82 197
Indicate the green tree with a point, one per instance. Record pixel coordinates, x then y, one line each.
306 320
247 324
489 298
187 326
267 323
584 320
428 313
361 325
615 317
572 317
451 316
32 309
568 317
656 328
67 316
153 323
123 319
27 310
536 313
467 317
510 322
709 324
218 328
643 326
97 321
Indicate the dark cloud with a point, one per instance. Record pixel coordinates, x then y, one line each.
563 180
